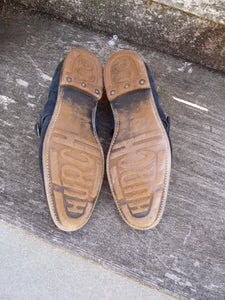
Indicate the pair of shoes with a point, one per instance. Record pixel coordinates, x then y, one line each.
70 154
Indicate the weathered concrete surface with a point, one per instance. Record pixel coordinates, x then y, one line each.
184 255
208 9
146 23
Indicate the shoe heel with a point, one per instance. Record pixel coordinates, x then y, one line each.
124 72
83 70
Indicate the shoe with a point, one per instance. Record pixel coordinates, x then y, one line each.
70 154
139 157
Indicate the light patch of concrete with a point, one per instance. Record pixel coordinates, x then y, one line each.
5 101
192 105
47 272
22 82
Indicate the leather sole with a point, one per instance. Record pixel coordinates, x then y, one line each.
73 162
139 158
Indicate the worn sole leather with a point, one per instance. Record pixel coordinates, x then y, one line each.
139 158
73 163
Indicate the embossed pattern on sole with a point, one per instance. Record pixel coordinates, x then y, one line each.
139 158
83 70
72 155
124 73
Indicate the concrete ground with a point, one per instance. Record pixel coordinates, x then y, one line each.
33 269
193 30
184 255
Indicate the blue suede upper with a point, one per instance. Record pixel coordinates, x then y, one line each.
46 114
165 120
